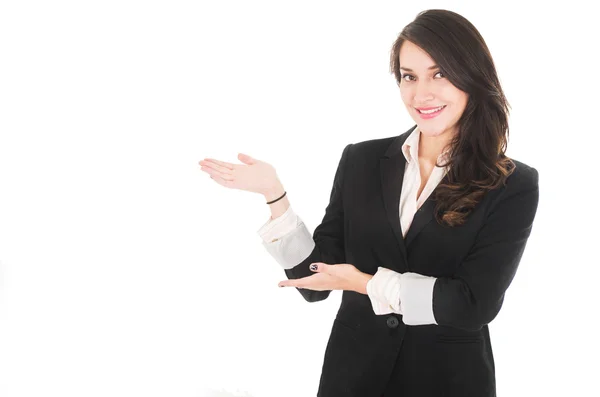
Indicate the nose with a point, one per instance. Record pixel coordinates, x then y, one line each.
423 92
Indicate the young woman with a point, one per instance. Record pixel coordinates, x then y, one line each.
424 231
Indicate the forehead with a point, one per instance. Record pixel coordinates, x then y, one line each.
413 57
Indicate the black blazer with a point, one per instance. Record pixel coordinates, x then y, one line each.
370 355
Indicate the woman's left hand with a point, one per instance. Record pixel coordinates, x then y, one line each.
342 276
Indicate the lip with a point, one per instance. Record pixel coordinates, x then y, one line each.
429 107
432 115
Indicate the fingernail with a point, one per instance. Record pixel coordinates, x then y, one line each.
313 267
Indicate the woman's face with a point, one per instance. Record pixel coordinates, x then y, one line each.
432 101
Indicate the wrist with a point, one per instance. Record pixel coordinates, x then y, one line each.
361 283
274 192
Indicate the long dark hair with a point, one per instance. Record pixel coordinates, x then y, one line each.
477 152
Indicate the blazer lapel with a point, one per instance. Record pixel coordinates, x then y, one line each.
392 174
392 165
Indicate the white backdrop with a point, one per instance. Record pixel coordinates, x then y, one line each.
126 271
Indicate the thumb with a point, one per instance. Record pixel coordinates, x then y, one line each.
244 158
319 267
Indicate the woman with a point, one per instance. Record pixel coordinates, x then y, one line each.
424 231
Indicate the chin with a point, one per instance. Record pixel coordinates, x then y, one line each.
432 131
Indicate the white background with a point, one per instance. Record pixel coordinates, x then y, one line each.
126 271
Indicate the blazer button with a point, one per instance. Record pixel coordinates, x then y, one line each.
392 322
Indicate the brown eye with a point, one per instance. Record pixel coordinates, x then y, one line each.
410 77
442 75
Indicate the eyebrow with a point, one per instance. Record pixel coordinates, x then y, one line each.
429 68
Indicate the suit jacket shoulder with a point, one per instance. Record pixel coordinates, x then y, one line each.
524 179
374 149
523 175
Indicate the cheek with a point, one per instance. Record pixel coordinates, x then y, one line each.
464 100
406 95
460 103
455 96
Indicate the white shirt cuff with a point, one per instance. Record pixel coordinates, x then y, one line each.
408 294
287 239
416 299
276 228
383 290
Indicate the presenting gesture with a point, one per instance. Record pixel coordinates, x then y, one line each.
343 276
252 176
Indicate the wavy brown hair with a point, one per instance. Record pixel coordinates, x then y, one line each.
477 158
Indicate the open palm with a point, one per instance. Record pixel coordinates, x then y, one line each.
252 176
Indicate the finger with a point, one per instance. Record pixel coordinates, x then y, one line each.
221 163
338 270
216 173
217 167
244 158
298 283
318 267
304 282
221 181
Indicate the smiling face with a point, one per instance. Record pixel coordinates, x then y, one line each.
431 100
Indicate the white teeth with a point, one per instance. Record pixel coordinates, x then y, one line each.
430 111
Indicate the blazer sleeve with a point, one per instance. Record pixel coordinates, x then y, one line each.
473 296
328 236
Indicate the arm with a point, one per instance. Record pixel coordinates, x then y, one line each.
279 207
287 239
473 296
296 249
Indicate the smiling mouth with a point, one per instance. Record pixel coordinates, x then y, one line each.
431 111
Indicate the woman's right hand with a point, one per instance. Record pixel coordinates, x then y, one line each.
252 176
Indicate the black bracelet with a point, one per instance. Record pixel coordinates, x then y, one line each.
271 202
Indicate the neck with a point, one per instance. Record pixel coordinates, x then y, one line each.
430 147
